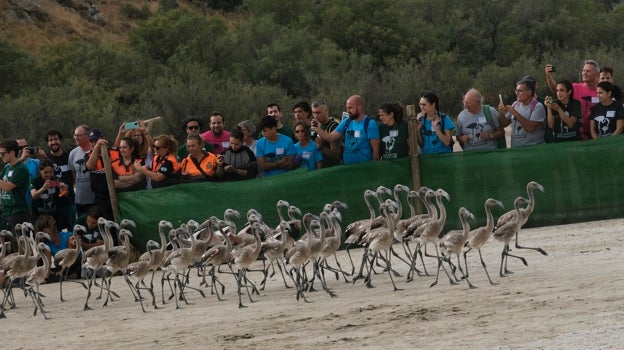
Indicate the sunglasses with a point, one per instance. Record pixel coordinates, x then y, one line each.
157 147
193 127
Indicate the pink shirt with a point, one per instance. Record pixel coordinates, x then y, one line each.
588 98
220 143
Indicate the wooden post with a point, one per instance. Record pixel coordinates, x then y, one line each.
412 123
110 182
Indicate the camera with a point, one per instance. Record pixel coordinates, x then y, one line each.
552 69
54 183
33 151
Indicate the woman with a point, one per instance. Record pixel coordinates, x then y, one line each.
607 116
58 241
200 165
125 176
564 113
165 167
45 191
434 128
141 137
308 155
526 116
249 131
393 131
239 162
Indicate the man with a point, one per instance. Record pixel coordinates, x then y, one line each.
191 126
95 164
85 198
217 136
13 186
584 92
331 151
32 164
360 132
60 159
275 152
273 109
477 130
302 112
526 116
606 74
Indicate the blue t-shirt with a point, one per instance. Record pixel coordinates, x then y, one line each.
63 244
309 155
357 141
274 151
431 143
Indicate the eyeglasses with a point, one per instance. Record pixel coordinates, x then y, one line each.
193 127
157 147
299 131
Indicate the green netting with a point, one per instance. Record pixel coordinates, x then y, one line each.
581 181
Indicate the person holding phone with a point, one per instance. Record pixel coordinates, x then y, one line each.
46 191
564 113
526 116
239 162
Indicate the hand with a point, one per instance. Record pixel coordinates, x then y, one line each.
464 138
138 166
47 184
229 169
485 136
548 69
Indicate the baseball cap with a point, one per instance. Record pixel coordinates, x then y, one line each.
95 134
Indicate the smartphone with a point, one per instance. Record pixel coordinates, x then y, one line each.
500 98
131 125
33 150
345 115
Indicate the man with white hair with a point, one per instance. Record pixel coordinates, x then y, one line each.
476 129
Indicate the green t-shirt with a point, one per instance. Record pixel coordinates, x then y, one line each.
394 140
14 201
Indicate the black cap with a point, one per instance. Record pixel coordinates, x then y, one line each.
191 118
95 135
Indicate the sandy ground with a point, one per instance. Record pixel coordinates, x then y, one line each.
571 299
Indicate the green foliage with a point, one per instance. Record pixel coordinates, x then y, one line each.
178 62
132 12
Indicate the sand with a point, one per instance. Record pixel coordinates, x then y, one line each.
571 299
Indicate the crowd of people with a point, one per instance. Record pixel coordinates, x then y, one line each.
61 186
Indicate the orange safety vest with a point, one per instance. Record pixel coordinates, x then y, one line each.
121 169
157 162
192 168
114 156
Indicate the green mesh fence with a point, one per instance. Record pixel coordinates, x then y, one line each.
581 181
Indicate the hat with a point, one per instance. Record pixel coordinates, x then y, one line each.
191 118
95 134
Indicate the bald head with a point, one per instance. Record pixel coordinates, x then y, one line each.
472 101
355 106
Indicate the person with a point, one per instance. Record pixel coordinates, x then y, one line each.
199 165
476 130
85 197
274 110
605 74
165 170
31 162
125 175
191 125
308 155
46 192
584 92
302 112
58 241
143 140
393 131
275 152
434 128
60 159
360 132
564 113
95 165
13 186
239 162
606 117
92 237
217 136
249 131
526 116
331 151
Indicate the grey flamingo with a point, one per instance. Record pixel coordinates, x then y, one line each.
67 257
507 232
453 242
37 276
478 236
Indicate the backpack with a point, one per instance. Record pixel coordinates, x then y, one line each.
442 117
367 121
501 142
